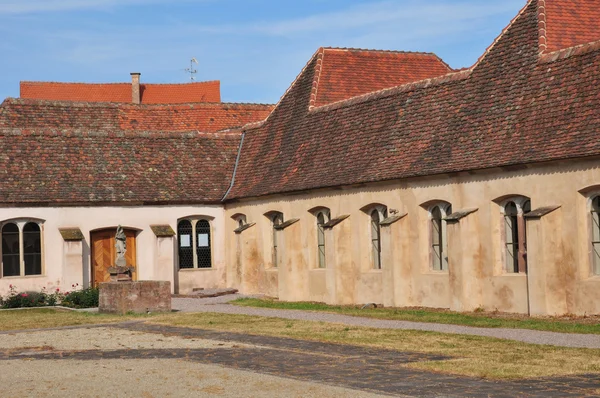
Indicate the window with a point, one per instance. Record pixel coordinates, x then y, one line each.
515 238
276 220
439 244
596 235
322 218
194 241
21 249
376 218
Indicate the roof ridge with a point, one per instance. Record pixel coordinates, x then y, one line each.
542 27
491 46
83 132
314 90
450 77
573 51
379 50
116 83
109 104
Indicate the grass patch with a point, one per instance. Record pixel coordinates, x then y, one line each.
590 325
475 356
52 317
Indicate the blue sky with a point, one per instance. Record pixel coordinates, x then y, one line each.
255 47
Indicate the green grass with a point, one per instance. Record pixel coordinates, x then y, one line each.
470 355
590 325
41 318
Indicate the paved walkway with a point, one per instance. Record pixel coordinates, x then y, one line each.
139 359
219 305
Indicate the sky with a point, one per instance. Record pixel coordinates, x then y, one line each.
256 48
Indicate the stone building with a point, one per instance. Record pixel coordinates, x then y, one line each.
379 177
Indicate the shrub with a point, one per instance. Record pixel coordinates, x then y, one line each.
27 299
84 298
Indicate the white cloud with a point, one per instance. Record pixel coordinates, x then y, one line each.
433 15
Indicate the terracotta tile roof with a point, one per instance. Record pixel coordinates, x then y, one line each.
33 114
512 108
568 23
67 167
344 73
121 92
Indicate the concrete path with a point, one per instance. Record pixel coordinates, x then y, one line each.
219 305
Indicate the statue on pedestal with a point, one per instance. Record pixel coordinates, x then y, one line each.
120 272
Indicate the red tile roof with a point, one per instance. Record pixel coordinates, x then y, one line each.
68 167
42 114
345 73
511 108
121 92
569 23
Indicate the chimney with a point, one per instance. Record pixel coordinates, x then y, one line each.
135 88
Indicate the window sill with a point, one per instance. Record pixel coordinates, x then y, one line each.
318 269
23 277
272 269
434 272
374 271
195 269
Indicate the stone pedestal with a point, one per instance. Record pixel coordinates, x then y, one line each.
120 274
137 297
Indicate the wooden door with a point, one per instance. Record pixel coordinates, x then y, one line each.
103 254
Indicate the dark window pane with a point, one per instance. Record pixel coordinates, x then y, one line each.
10 250
203 244
184 240
375 239
32 248
321 239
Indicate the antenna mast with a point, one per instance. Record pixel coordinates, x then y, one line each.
191 69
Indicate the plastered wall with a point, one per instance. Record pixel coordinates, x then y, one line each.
476 247
67 263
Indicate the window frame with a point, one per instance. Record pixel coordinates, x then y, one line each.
594 234
194 221
518 236
322 217
445 210
276 219
21 223
376 249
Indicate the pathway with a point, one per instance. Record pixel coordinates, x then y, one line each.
219 305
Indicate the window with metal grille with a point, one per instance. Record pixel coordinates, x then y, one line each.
515 237
276 219
438 237
321 239
21 249
596 235
194 241
376 238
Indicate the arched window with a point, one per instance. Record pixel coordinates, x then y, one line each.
203 252
321 220
376 238
194 241
439 244
596 235
11 250
21 248
32 249
515 236
276 220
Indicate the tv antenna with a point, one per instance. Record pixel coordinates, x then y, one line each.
191 69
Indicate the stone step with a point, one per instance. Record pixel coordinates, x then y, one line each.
206 293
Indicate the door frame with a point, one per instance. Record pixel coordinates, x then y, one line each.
128 230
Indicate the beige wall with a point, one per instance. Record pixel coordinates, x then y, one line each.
477 276
66 263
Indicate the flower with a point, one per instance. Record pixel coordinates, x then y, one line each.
23 294
57 290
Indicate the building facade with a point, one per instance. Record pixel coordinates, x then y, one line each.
391 179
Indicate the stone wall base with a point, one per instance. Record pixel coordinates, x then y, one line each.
137 297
